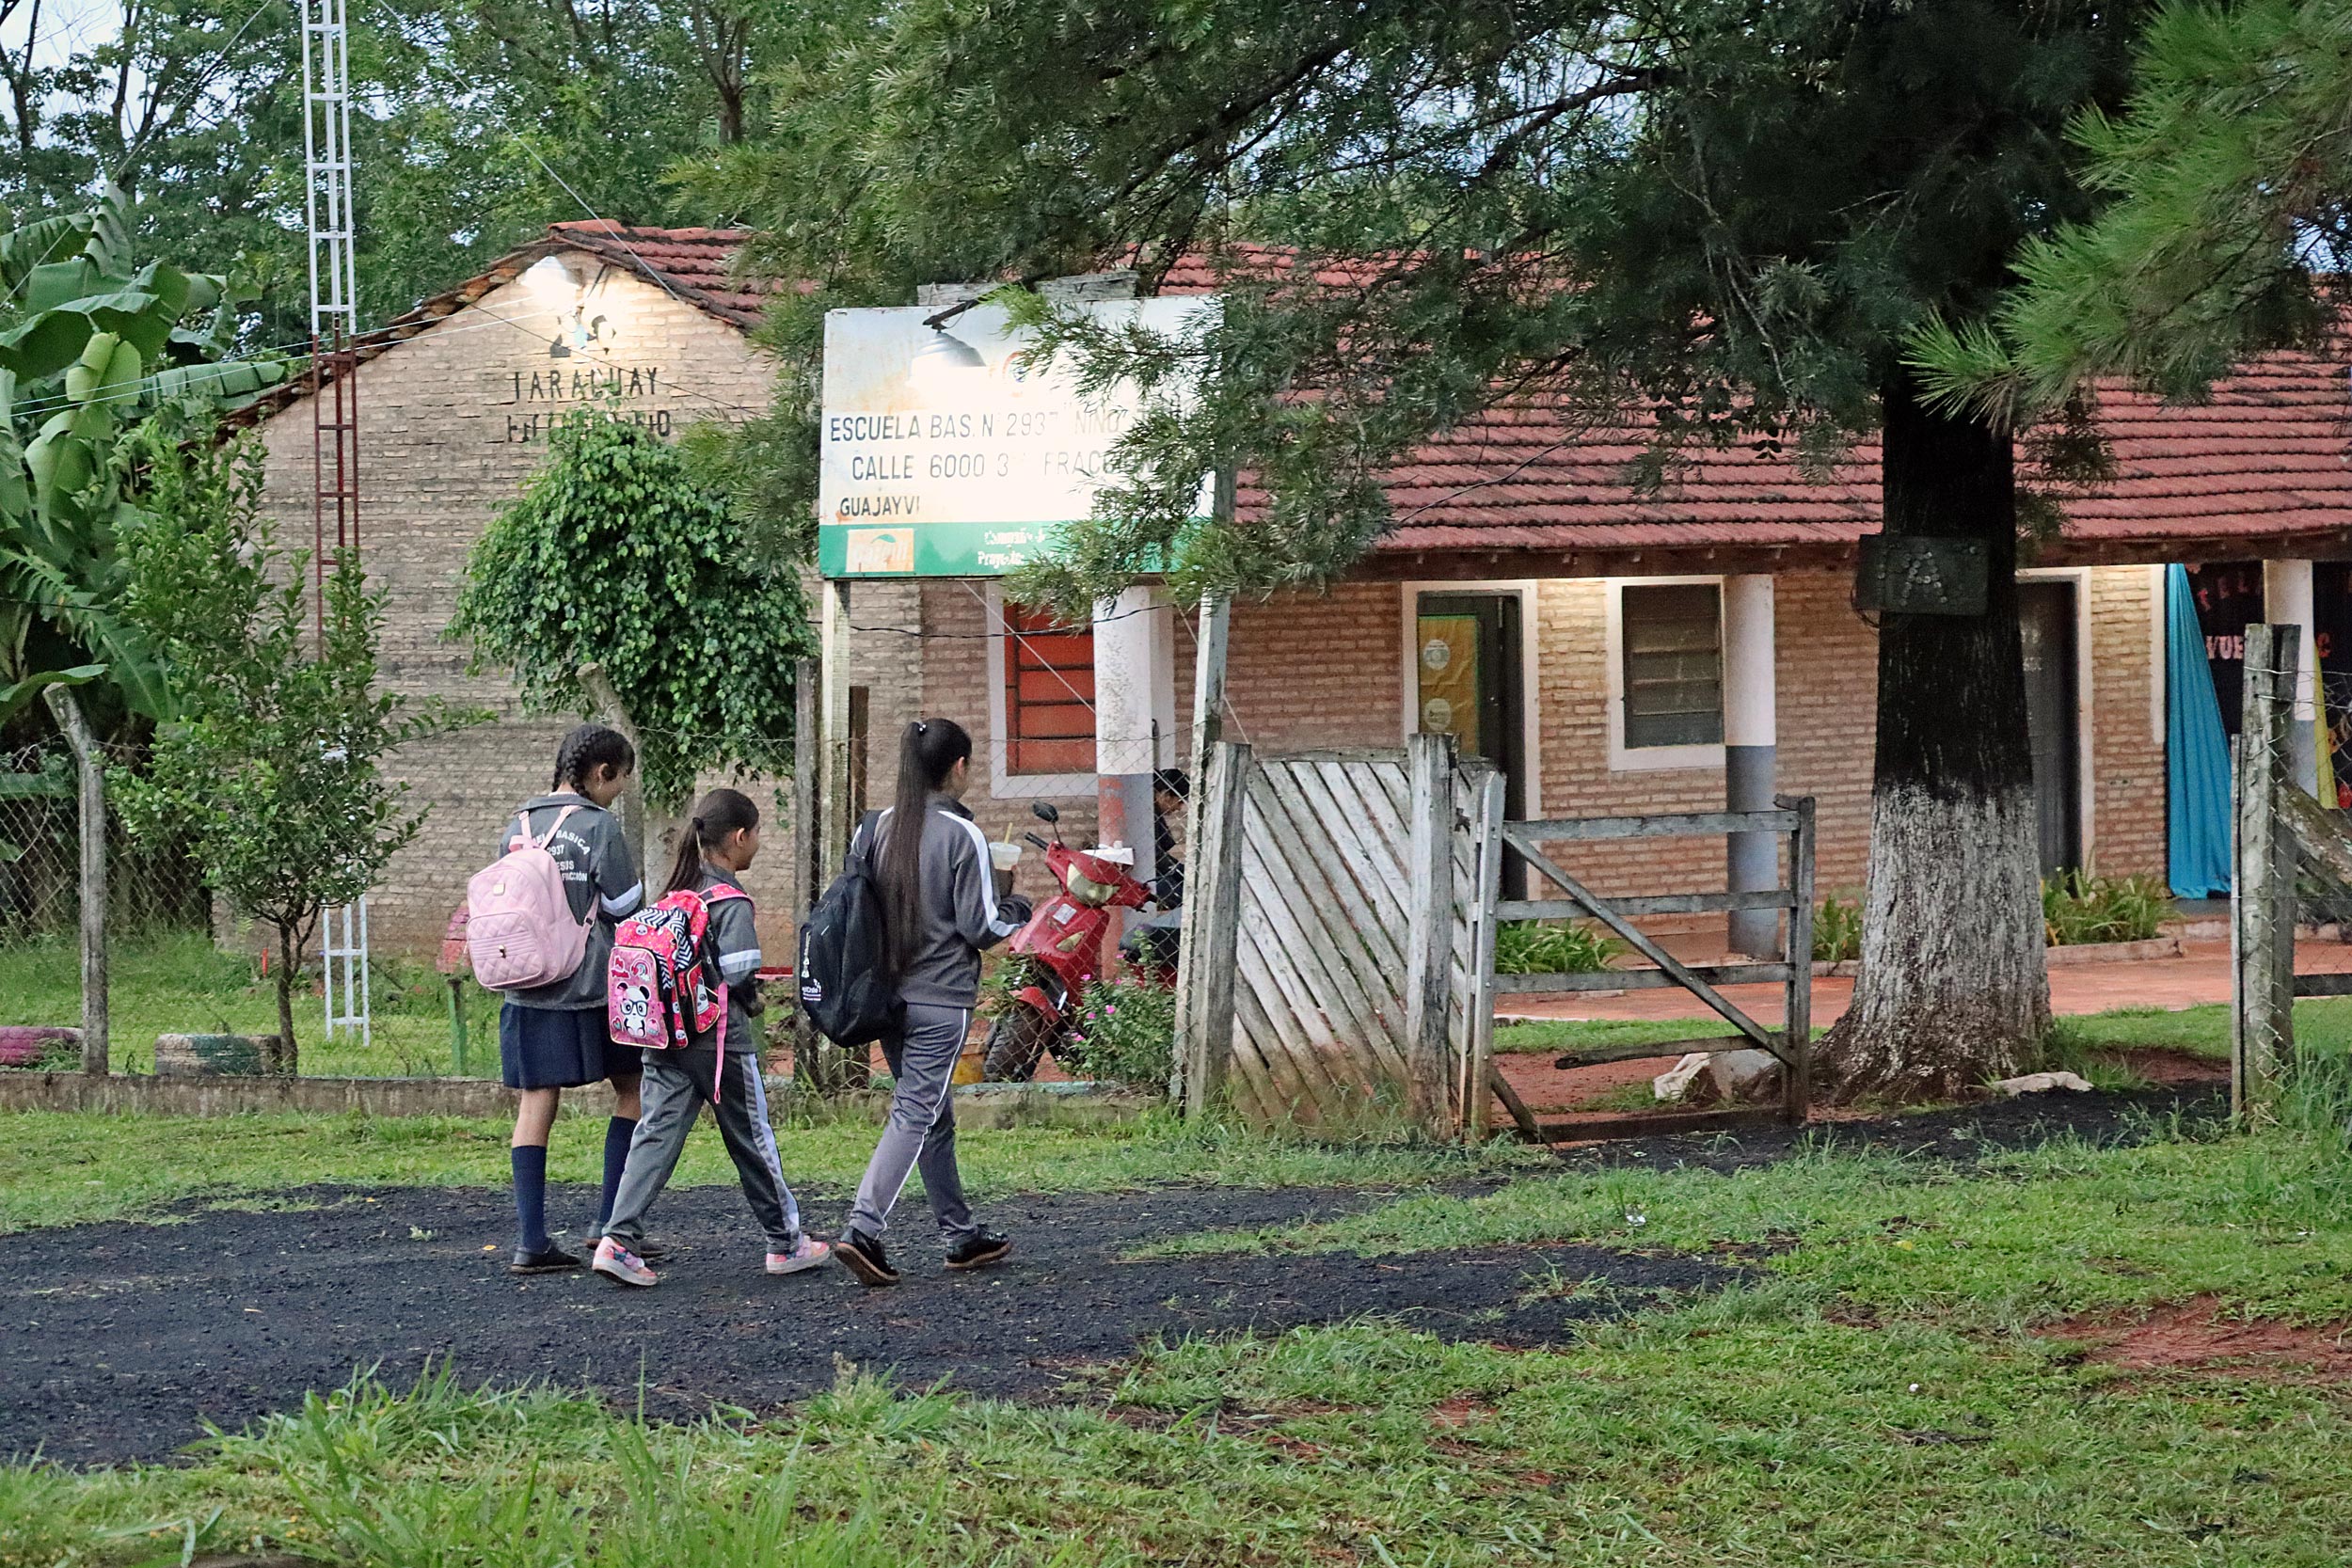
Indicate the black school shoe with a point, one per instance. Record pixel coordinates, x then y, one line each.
862 1255
979 1249
550 1259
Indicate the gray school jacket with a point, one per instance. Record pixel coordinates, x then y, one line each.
959 906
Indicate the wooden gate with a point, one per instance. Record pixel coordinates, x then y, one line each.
2280 829
1327 962
1792 1043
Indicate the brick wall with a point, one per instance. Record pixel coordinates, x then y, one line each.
2126 827
1311 670
451 425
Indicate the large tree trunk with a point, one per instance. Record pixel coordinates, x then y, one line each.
1954 987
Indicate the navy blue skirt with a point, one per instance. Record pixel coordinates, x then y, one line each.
540 1048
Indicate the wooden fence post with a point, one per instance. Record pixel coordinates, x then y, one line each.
92 767
1797 1031
1429 933
1204 996
2261 910
803 889
1208 727
1477 1095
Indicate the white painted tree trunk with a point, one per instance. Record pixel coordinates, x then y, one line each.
1954 989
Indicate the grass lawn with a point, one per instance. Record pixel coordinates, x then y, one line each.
2324 1023
181 983
1901 1380
1885 1389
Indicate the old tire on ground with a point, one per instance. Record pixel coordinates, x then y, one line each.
1015 1042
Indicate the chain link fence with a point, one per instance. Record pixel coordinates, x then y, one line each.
152 888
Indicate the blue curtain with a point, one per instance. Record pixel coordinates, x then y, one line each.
2197 754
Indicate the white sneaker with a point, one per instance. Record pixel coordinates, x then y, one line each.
809 1254
615 1262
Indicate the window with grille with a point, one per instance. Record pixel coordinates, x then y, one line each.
1049 693
1674 665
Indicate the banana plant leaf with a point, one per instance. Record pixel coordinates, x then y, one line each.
41 347
53 284
14 696
23 250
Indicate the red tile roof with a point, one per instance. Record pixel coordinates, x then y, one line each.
695 264
2268 458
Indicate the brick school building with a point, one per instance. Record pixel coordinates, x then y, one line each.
1612 651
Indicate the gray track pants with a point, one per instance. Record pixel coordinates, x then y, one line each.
921 1134
677 1086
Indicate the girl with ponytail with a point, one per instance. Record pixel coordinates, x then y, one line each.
939 907
718 846
552 1038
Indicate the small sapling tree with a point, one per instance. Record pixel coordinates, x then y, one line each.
615 556
270 762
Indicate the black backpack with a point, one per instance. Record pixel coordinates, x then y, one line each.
845 985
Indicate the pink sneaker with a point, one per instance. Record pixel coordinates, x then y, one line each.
615 1262
810 1254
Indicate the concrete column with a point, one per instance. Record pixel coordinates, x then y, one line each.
2287 602
1751 738
1134 713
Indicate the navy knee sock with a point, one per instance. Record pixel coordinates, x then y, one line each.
617 1134
531 1196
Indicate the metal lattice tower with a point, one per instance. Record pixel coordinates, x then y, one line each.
334 286
334 406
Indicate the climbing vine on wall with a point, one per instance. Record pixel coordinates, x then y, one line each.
615 555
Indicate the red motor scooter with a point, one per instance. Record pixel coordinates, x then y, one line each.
1060 951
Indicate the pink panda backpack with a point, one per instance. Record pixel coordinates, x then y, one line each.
659 991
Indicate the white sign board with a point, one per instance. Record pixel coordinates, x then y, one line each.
944 456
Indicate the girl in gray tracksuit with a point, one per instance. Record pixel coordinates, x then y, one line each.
939 909
721 1069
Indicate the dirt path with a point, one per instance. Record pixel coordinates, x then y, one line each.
120 1341
2199 977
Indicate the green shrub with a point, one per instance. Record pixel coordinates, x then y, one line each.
1125 1033
2077 907
1837 930
1552 947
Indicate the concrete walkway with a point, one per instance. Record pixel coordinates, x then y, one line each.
2200 976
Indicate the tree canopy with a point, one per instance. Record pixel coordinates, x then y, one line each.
615 556
475 123
2230 172
1718 220
272 766
1724 215
93 345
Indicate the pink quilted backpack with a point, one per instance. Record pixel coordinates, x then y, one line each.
520 928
